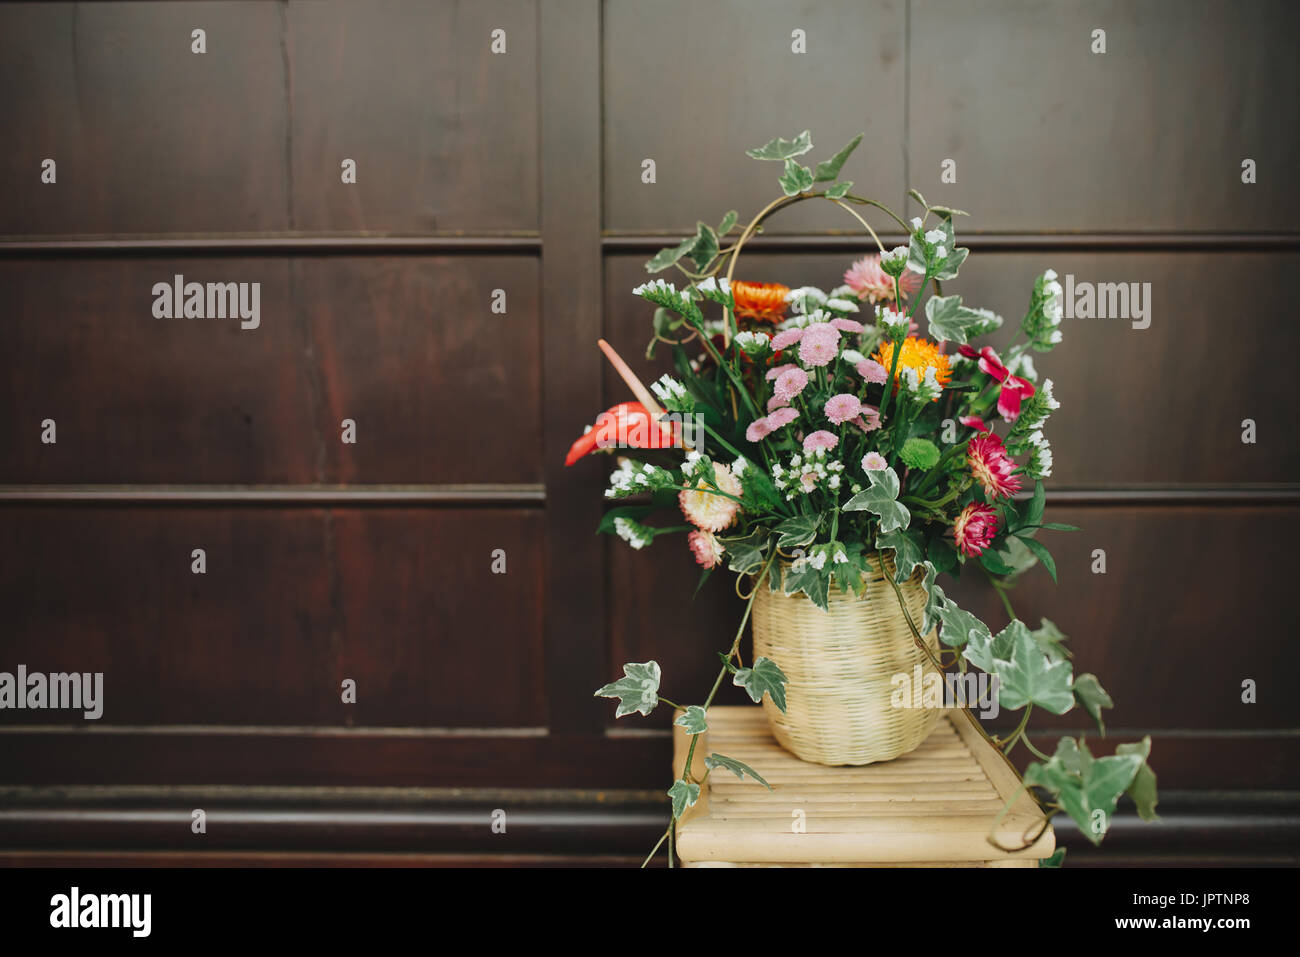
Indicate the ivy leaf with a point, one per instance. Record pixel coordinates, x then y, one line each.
1028 676
1143 788
1089 693
916 195
829 169
908 553
949 319
934 598
637 690
705 247
796 178
779 149
1088 788
1044 556
728 222
1056 860
984 650
947 269
738 768
960 626
669 255
797 531
839 190
684 795
813 582
881 500
693 720
765 676
948 212
745 553
1051 639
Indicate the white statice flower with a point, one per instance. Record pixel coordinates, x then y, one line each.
738 466
841 305
841 292
807 473
1023 366
693 462
714 285
852 356
818 560
894 257
840 558
805 299
634 533
668 390
1050 275
934 236
1040 464
916 223
753 343
659 286
891 318
927 389
1051 400
940 252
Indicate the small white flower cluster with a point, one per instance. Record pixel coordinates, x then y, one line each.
663 293
894 261
1022 365
712 286
1027 433
1040 462
807 473
631 480
738 466
852 356
753 343
672 394
935 237
694 464
892 319
925 389
660 287
634 533
1048 302
842 292
805 299
817 556
841 305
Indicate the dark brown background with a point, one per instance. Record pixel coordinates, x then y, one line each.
521 172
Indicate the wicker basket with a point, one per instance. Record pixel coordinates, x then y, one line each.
840 665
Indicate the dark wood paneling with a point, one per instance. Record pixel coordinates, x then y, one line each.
148 137
1149 135
1160 405
404 602
693 85
443 130
441 389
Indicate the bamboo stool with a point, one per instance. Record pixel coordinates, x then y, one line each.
929 808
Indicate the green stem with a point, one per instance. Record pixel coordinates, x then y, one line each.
659 844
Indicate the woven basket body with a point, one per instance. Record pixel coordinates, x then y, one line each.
840 665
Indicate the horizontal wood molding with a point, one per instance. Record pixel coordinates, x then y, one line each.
278 495
271 245
991 242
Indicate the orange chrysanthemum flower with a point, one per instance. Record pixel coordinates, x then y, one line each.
918 354
760 301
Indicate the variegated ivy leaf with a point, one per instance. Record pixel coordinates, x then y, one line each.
738 768
796 178
705 247
1089 693
812 581
797 531
669 255
881 500
764 678
1143 788
839 190
637 690
728 222
983 650
829 169
745 553
947 268
684 795
950 320
1087 787
779 149
693 720
1027 676
908 553
934 597
1051 639
960 627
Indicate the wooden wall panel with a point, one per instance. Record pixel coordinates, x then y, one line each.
1149 136
692 85
443 130
441 389
1156 406
292 603
147 136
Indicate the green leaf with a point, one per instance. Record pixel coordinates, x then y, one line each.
705 248
1143 788
919 453
984 650
797 531
779 149
813 582
796 178
693 720
1034 511
764 677
669 255
947 269
949 320
1088 788
744 554
637 690
1056 860
881 500
1044 556
990 560
704 576
1051 639
839 189
916 195
908 553
829 169
961 627
728 222
1089 693
1059 527
634 512
738 768
948 211
684 795
1028 676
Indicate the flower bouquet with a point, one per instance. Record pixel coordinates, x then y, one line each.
838 451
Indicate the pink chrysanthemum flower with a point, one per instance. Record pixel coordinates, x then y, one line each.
869 420
992 467
821 439
758 430
784 340
873 462
974 528
817 351
705 547
872 371
872 284
848 325
776 402
790 383
824 329
840 408
776 371
705 508
781 418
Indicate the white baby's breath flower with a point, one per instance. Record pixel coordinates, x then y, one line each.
843 305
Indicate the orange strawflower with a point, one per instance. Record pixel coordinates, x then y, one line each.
760 301
918 354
